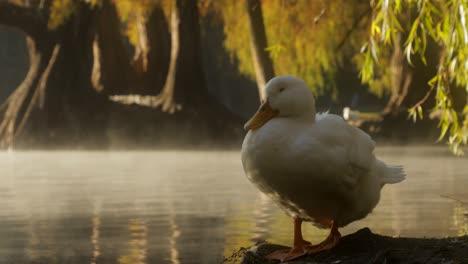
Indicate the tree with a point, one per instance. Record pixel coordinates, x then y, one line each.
439 22
79 58
299 39
185 83
258 44
112 69
56 95
115 72
399 37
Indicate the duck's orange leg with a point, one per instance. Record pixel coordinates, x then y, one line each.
330 242
300 245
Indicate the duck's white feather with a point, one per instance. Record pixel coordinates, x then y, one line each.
316 167
318 171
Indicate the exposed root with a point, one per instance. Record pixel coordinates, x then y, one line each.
12 116
38 96
21 103
167 105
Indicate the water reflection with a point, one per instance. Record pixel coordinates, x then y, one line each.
137 246
460 218
95 238
175 234
189 207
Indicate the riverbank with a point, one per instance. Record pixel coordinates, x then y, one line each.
367 247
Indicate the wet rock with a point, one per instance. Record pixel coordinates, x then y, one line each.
367 247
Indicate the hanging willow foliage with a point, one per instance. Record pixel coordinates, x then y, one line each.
130 13
305 37
445 22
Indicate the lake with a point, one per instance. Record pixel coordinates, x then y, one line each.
191 206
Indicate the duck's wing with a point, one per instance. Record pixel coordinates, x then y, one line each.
358 146
340 152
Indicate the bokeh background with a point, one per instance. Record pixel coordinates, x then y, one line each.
121 120
152 73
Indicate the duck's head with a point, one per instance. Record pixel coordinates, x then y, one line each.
286 96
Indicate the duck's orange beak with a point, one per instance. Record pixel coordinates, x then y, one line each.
264 113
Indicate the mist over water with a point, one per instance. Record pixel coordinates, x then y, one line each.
191 206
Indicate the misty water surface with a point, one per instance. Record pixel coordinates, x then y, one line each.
190 207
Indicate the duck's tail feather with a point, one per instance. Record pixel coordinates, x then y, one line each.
393 174
321 115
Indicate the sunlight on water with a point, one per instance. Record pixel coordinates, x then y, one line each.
190 207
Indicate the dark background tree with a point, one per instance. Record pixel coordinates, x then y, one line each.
56 101
114 71
263 65
103 70
88 45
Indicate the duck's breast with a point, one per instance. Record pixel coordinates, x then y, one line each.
273 160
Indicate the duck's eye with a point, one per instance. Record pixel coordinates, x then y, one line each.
281 89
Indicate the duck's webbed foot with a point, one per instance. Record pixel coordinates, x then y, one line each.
298 250
330 242
300 246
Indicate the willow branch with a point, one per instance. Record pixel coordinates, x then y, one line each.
319 16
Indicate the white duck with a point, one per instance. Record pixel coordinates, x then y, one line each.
314 166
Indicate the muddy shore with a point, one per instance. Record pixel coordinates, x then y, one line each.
367 247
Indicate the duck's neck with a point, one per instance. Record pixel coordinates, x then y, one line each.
308 117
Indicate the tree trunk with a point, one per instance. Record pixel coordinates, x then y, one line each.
158 55
196 112
263 64
409 83
56 97
185 82
409 86
112 71
400 80
166 98
18 106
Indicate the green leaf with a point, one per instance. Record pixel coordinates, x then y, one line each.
412 114
443 131
408 54
420 112
397 6
433 81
